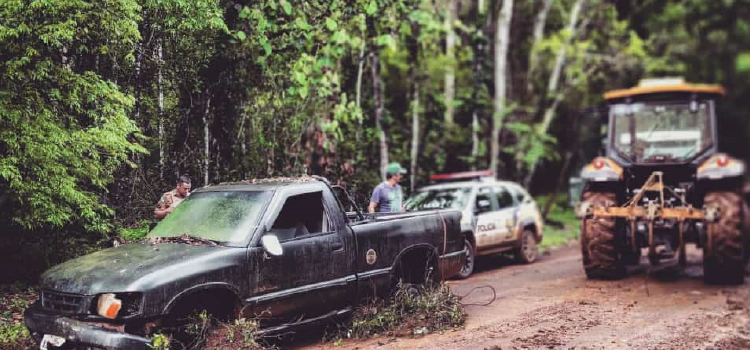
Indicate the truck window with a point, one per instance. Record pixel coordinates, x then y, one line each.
302 215
483 201
504 198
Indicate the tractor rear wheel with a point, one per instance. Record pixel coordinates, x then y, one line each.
601 258
724 256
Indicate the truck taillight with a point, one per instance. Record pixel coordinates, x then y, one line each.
722 161
598 163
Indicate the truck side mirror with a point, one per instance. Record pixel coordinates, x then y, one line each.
271 244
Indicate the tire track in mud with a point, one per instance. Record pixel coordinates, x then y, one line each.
551 305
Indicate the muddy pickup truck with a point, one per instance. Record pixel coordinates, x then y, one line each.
284 251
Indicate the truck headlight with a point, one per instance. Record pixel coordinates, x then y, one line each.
118 305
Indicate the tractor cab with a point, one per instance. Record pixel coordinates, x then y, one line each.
662 121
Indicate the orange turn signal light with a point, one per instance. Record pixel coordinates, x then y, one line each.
108 306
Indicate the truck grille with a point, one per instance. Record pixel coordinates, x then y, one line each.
63 302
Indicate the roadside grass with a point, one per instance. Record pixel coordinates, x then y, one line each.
14 299
411 312
561 226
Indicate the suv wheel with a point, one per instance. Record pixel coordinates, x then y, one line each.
468 267
527 252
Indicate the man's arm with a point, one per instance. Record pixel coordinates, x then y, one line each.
163 207
374 199
161 213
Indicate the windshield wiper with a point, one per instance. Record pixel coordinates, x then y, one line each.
185 238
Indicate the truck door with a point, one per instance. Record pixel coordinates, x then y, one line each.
507 213
312 275
488 222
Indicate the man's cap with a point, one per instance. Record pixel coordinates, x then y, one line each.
395 168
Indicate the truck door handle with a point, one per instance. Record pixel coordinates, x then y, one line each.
337 246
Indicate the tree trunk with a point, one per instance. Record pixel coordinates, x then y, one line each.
413 47
474 139
377 90
539 23
450 74
479 54
206 138
554 82
414 132
502 38
137 85
358 88
161 111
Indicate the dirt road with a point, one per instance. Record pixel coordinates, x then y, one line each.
551 305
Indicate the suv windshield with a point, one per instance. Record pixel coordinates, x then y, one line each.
659 132
218 216
454 198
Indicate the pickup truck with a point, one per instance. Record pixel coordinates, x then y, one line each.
281 250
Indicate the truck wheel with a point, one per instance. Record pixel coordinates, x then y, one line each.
527 252
468 267
601 259
724 256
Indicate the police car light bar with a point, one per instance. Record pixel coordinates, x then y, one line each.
466 175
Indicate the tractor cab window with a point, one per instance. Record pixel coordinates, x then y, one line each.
660 132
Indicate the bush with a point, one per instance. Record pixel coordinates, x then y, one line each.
411 312
14 299
134 233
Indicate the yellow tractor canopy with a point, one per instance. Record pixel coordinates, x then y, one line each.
667 85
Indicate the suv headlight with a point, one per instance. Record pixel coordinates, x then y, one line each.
117 305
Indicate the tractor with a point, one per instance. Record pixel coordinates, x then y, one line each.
663 184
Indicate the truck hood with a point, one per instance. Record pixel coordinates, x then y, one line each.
135 267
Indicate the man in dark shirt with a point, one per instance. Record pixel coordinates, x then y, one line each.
388 197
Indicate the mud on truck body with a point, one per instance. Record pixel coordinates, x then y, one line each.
663 184
282 251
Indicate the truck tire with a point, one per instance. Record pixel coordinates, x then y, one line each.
601 258
468 267
527 251
724 257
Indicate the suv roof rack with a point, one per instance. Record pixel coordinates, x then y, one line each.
482 175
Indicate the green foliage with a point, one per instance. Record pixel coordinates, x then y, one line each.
240 334
64 128
14 299
159 341
134 233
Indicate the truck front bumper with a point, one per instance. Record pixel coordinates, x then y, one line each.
40 322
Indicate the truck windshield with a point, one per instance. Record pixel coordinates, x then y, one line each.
660 132
444 198
218 216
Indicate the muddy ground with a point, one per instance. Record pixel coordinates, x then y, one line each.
551 305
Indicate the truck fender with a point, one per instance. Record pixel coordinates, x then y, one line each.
218 287
423 248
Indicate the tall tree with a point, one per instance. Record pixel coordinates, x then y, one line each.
502 41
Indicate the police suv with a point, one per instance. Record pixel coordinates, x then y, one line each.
498 216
